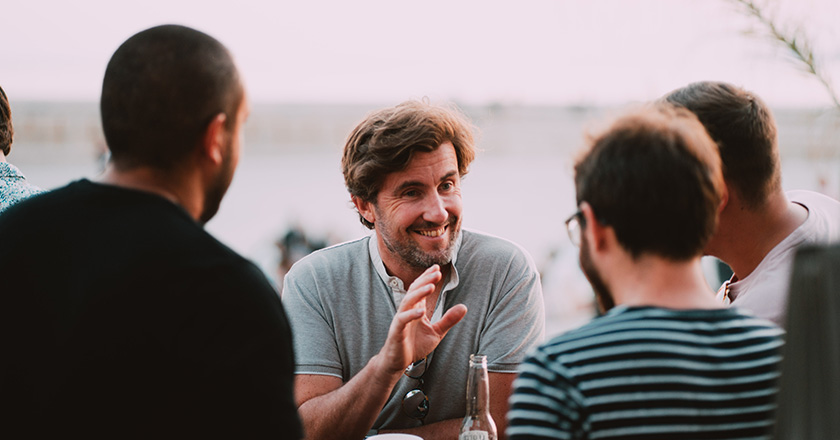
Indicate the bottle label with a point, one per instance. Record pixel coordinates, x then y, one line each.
474 435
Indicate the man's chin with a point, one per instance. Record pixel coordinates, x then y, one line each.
426 260
439 253
425 256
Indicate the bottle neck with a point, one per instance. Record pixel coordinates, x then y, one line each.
478 388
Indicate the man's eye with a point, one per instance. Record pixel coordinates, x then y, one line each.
446 186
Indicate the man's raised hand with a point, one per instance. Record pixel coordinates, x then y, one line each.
412 335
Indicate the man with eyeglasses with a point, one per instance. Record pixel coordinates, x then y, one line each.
666 360
373 355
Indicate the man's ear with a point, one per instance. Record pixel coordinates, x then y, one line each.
213 142
724 198
365 209
595 231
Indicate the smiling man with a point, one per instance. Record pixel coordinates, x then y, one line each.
370 316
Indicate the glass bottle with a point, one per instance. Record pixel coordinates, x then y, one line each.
478 424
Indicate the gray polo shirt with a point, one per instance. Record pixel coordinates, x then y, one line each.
341 302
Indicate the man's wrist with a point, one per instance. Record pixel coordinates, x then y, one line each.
387 376
383 367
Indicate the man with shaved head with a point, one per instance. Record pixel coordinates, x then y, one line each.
120 316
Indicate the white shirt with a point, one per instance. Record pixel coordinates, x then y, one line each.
764 292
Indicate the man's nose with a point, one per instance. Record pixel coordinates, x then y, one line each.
435 209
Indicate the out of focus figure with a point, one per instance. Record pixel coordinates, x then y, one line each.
809 393
293 245
13 184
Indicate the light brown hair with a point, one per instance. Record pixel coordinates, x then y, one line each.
386 140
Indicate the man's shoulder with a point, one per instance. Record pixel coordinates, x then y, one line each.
335 257
35 212
823 224
812 198
819 204
125 224
581 336
72 198
680 334
623 325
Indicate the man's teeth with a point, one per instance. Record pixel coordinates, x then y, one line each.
433 233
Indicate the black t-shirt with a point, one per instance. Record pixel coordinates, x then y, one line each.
121 317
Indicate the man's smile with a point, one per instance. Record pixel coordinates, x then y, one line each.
437 232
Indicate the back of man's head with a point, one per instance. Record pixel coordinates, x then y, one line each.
162 88
745 131
7 132
654 176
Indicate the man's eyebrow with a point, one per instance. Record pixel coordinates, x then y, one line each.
414 183
407 184
448 175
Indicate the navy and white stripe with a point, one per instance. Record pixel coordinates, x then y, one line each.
651 373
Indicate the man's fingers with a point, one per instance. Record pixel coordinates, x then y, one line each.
402 319
450 318
422 287
414 297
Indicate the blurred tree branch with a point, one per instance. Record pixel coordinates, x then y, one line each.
796 42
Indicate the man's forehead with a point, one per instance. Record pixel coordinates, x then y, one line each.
405 181
438 167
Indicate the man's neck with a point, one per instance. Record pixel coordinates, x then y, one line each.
751 234
408 274
173 186
654 281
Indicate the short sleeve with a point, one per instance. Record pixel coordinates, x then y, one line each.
516 322
316 351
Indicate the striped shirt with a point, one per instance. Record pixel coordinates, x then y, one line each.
651 373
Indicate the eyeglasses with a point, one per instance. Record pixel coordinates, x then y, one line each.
415 404
573 227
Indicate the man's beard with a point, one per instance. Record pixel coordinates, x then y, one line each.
215 193
410 252
602 293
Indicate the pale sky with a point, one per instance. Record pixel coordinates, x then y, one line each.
472 51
